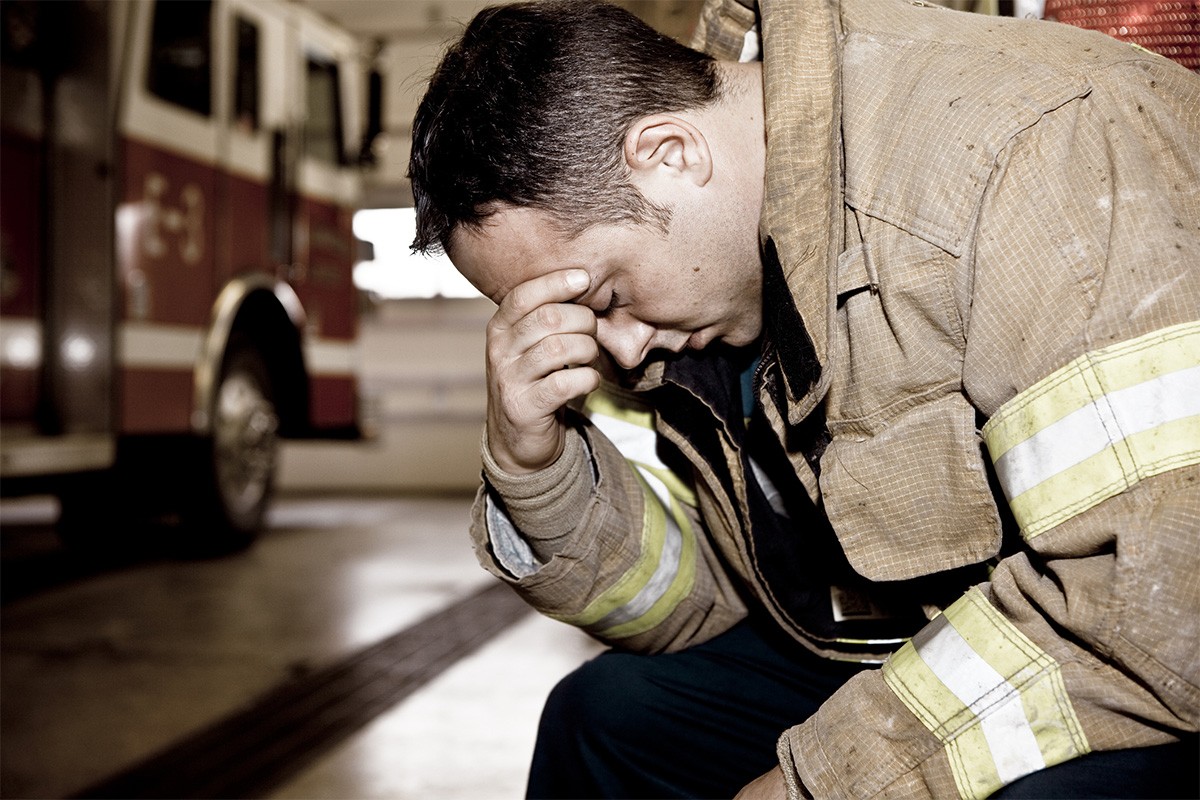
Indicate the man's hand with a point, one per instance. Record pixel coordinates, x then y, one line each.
539 350
768 786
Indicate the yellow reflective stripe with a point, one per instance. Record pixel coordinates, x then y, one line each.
655 528
678 490
679 588
993 698
971 763
662 576
945 716
1056 744
623 408
1108 473
1117 367
925 695
1099 425
629 425
665 571
987 632
1016 657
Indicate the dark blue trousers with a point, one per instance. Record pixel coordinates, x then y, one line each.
702 723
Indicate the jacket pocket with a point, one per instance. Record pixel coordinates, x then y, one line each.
912 498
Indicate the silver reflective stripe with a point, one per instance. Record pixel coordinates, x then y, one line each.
992 696
981 689
1098 426
774 498
750 48
664 570
636 443
664 573
1091 429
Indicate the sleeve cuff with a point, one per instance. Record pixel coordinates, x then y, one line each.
545 506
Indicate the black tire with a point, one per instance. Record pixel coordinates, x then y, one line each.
237 462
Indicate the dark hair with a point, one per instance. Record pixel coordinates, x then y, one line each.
530 108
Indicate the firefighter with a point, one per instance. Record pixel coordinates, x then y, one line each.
876 338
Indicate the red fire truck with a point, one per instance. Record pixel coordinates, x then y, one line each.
178 183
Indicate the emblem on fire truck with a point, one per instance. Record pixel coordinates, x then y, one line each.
184 222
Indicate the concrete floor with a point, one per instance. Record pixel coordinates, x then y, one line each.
103 666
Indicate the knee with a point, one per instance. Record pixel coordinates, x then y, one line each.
610 693
596 732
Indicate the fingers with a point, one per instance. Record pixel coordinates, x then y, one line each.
525 428
537 330
554 287
558 351
539 344
533 383
546 396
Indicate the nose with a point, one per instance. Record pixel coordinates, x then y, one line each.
627 340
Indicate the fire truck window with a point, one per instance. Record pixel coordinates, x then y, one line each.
245 75
323 128
180 69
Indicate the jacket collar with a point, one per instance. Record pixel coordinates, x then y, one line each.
802 219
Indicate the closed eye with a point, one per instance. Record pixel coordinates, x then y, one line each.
613 303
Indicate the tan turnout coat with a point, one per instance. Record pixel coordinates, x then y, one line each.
985 235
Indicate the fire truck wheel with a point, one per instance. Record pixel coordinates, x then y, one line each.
241 454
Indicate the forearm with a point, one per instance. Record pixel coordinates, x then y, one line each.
606 552
1088 642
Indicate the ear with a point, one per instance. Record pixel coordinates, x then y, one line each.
666 145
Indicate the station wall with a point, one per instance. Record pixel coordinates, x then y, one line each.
422 384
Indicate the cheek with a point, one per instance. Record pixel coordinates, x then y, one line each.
671 298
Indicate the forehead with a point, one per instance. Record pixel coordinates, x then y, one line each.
512 246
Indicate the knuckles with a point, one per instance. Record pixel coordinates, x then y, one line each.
551 349
548 317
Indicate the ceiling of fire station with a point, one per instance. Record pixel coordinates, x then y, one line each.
390 19
397 18
411 34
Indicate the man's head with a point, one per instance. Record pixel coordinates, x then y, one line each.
568 135
529 109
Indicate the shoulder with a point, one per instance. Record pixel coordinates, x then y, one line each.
931 99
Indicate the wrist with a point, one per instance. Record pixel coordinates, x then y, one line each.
547 503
